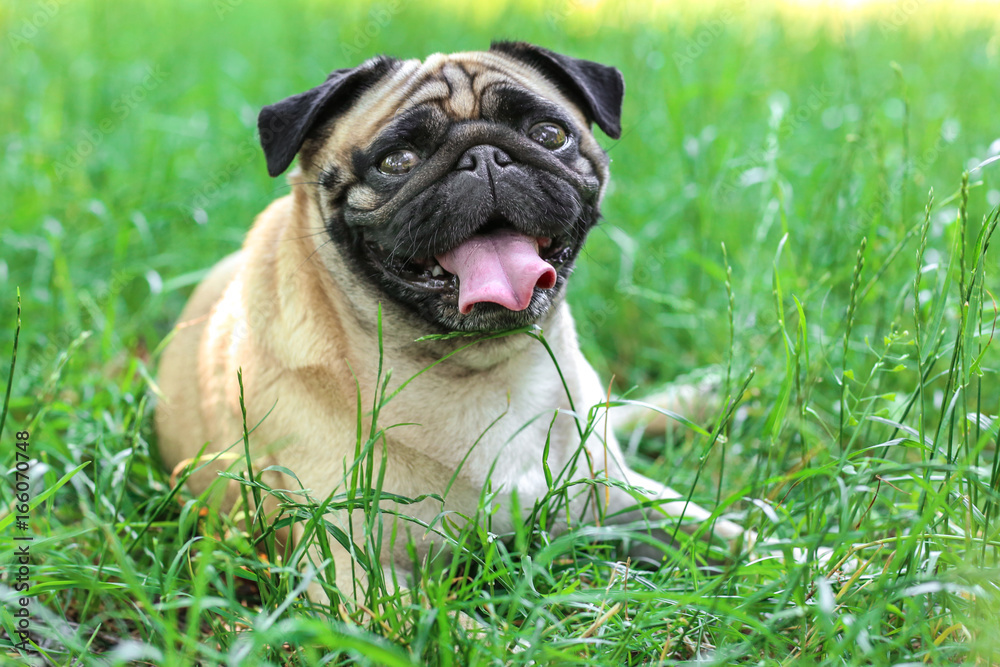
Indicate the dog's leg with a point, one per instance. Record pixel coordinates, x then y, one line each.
651 503
622 508
622 505
695 397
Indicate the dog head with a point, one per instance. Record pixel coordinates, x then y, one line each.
462 186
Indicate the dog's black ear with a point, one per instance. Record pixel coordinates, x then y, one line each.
285 125
598 87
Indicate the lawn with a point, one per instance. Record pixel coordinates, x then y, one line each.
801 206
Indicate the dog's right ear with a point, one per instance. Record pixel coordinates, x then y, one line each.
285 125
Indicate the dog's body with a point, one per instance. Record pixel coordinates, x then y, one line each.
298 309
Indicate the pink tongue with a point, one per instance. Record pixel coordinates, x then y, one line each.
500 267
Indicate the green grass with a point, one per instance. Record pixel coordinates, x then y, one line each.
129 166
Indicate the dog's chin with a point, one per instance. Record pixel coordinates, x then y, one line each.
425 287
492 317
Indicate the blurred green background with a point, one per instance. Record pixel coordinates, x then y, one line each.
129 163
789 132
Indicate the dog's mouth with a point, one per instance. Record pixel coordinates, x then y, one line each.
499 266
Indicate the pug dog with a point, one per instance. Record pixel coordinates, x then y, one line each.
446 195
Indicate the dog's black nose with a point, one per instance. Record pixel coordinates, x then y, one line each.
480 159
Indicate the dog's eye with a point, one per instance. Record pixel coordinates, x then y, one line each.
398 162
548 134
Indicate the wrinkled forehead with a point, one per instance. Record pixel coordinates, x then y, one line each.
456 83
